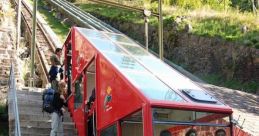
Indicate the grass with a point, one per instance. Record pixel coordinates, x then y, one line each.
58 27
205 21
218 80
2 108
112 13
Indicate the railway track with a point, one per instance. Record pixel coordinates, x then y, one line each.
81 17
44 46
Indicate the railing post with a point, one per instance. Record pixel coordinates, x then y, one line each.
18 25
160 31
33 42
146 13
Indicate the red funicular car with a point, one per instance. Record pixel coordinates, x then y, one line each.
116 88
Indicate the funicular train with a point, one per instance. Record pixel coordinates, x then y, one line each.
117 88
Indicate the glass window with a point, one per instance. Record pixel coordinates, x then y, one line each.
136 50
105 45
189 123
110 131
172 115
186 130
119 38
92 33
79 89
132 125
147 83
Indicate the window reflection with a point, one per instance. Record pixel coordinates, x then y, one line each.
132 125
190 123
185 130
110 131
79 88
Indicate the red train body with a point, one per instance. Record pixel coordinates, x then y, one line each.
135 94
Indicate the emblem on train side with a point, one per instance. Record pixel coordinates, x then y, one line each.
108 99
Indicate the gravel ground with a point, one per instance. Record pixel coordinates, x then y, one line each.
245 106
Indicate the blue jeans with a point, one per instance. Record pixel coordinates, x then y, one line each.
56 125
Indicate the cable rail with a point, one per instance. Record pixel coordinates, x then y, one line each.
92 22
81 17
13 99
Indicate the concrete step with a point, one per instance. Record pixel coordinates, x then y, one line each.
29 97
37 130
41 116
29 100
42 124
27 92
33 134
30 103
32 120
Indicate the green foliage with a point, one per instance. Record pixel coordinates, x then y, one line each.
243 5
205 22
188 4
2 109
113 13
3 129
71 0
213 27
3 120
218 80
58 27
195 4
251 39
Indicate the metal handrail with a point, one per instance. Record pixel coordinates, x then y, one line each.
12 90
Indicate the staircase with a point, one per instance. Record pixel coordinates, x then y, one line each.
32 121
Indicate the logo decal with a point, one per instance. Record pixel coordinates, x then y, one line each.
108 99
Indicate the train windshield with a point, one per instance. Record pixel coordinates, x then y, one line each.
172 122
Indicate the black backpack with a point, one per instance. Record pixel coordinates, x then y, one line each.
47 98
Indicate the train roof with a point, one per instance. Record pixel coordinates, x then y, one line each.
154 78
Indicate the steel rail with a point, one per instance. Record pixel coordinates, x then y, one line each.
75 13
81 18
91 17
65 9
84 17
44 44
42 58
97 21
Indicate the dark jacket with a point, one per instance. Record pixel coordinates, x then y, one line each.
58 103
53 72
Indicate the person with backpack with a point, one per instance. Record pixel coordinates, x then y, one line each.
58 104
54 69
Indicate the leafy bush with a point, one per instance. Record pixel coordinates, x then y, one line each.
243 5
219 80
194 4
71 0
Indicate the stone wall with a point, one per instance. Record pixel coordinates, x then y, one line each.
197 54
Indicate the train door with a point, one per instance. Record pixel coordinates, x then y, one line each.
79 97
84 97
90 98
